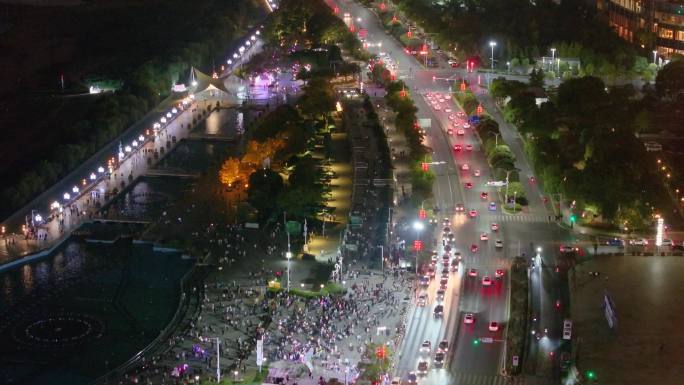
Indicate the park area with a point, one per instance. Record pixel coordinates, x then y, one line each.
646 345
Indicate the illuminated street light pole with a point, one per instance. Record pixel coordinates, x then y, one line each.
655 56
418 226
492 44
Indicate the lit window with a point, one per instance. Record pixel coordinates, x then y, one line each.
666 33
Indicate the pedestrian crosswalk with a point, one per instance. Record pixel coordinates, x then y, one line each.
464 378
520 218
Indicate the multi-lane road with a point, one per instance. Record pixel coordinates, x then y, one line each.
475 354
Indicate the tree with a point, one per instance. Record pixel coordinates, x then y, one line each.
265 186
318 99
670 80
537 78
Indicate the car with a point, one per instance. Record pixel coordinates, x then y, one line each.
396 381
496 183
422 367
465 167
468 185
532 179
638 242
451 237
445 258
447 97
446 221
499 273
443 287
459 208
437 108
457 147
447 248
443 346
466 125
412 378
477 172
426 346
424 280
493 326
492 206
439 359
439 311
452 117
486 281
434 257
450 131
460 131
484 195
454 265
616 242
444 280
474 248
484 237
446 229
469 147
472 272
422 300
440 294
460 114
498 244
431 272
469 318
458 255
447 110
666 242
472 213
494 227
567 249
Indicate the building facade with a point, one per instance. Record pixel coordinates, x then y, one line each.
652 24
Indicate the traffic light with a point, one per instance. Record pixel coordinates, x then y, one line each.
476 341
382 7
422 214
591 375
418 245
573 218
424 166
463 86
409 34
479 109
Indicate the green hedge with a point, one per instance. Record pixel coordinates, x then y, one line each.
517 323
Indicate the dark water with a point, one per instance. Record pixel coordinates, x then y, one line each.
73 316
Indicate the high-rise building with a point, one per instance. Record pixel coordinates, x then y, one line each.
652 24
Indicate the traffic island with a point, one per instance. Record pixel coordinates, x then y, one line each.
517 322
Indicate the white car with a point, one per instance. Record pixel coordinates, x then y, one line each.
639 242
486 281
460 132
469 318
498 244
484 237
465 167
667 242
493 326
422 299
426 346
447 110
477 172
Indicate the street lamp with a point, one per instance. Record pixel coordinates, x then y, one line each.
508 64
496 138
418 226
288 255
492 44
553 54
655 56
382 257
